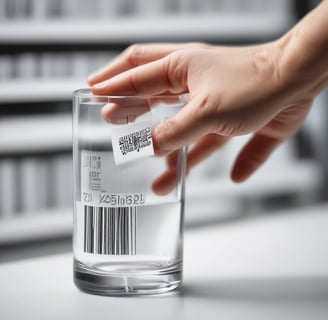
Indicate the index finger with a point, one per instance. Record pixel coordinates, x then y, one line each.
154 78
133 56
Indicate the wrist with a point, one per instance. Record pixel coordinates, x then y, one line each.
304 50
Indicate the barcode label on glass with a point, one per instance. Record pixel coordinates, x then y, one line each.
132 141
110 231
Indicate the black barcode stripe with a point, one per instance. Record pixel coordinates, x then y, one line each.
110 231
98 230
88 229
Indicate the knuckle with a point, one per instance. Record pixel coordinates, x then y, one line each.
131 49
206 110
174 68
132 53
166 72
133 79
210 111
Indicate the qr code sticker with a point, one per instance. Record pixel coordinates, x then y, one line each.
132 141
135 141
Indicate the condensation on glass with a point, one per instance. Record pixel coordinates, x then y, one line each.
127 238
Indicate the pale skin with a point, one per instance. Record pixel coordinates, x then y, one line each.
265 89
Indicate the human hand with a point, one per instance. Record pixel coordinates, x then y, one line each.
266 90
230 94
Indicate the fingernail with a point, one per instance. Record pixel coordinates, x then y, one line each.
99 85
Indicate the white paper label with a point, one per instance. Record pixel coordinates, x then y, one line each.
97 180
132 141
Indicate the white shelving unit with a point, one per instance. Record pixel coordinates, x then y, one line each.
35 133
37 90
300 179
136 29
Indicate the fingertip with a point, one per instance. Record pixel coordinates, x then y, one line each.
91 80
105 113
95 77
100 88
252 156
99 85
236 177
242 170
165 183
94 89
159 152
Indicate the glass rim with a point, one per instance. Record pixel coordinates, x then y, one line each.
86 93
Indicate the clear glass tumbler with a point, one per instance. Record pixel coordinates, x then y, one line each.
127 238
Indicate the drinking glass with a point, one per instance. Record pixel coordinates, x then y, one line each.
127 238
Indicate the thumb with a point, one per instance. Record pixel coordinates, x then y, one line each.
187 126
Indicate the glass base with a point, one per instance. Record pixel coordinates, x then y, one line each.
122 280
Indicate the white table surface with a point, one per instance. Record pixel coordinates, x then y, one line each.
272 266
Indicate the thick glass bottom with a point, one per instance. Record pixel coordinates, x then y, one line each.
133 279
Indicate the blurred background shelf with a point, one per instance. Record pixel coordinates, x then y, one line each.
138 29
16 91
43 225
299 178
35 134
218 200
